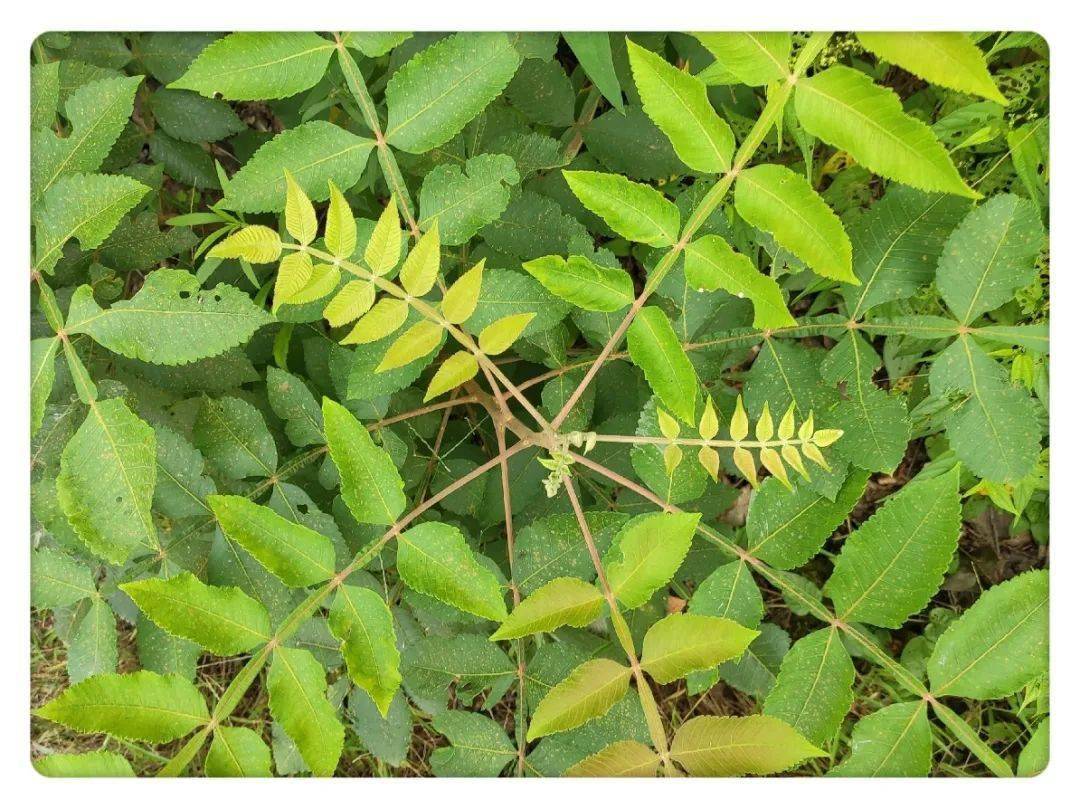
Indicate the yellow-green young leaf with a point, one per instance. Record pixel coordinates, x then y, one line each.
143 705
843 107
383 319
656 350
625 759
635 211
496 337
421 266
582 283
255 243
384 246
669 427
351 301
360 619
416 341
894 563
999 645
223 620
106 482
947 58
456 370
370 485
299 212
460 299
434 559
893 742
753 57
712 264
813 689
297 686
724 746
293 275
237 753
678 104
340 234
777 200
324 280
294 553
681 643
95 764
588 692
564 601
646 553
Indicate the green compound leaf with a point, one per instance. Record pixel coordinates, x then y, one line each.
434 559
297 685
990 255
754 57
999 644
589 691
142 705
106 482
464 199
479 747
294 553
96 764
712 264
251 65
360 619
97 113
844 108
437 92
656 350
315 153
777 200
223 620
813 689
646 553
894 563
893 742
171 320
723 746
678 104
564 601
582 283
947 58
85 207
237 753
636 212
681 643
370 485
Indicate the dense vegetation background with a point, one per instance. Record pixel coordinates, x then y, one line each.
600 343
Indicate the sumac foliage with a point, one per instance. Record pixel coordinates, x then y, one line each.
537 404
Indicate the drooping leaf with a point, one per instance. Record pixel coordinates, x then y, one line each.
92 648
636 212
370 484
360 619
712 264
478 748
655 349
593 52
434 559
627 759
948 58
57 579
297 685
894 562
844 107
223 620
237 752
752 57
583 283
813 689
95 764
893 742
